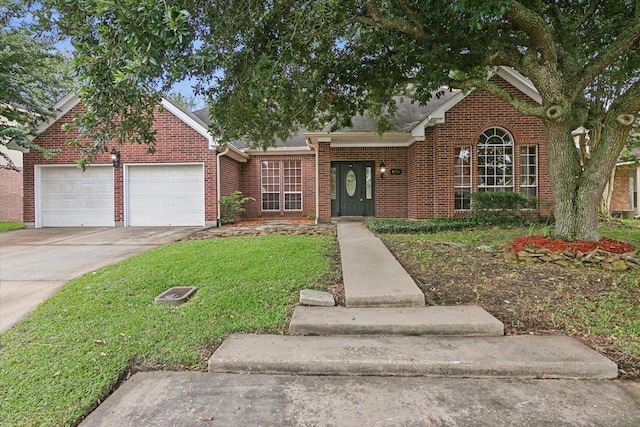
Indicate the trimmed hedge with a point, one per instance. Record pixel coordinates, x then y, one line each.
417 226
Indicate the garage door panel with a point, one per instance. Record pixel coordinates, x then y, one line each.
70 197
165 195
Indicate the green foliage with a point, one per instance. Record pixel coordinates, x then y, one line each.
502 201
631 152
33 76
126 54
612 314
231 206
8 226
507 207
62 360
481 219
187 102
379 225
491 207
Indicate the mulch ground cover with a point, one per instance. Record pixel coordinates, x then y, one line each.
540 242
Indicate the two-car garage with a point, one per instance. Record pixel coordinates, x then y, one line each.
153 195
164 195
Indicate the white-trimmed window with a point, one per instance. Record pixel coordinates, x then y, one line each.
462 177
529 170
292 174
270 185
495 160
281 185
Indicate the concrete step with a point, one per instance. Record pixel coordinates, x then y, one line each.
477 357
435 320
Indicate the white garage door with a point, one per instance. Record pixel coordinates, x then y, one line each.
165 195
70 197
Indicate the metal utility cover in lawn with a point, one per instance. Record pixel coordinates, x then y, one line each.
175 296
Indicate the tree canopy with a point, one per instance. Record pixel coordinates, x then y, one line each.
33 76
271 67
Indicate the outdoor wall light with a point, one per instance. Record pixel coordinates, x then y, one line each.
383 169
115 157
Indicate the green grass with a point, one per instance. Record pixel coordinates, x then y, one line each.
8 226
614 315
58 363
626 229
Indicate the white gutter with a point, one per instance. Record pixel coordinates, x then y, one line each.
225 151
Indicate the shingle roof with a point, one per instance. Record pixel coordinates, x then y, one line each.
408 115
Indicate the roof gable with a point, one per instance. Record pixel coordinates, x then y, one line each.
66 104
61 108
508 74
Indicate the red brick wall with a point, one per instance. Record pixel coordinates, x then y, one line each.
426 187
10 195
251 186
176 143
464 123
620 198
390 191
230 177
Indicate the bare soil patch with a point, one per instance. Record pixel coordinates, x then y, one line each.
524 296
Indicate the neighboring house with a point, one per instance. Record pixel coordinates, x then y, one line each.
625 188
11 187
426 167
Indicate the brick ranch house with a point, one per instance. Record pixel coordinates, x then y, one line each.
426 167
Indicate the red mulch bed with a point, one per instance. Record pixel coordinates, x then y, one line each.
609 245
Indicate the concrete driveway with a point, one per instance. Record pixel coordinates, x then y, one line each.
35 263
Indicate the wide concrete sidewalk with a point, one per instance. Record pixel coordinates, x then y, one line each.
182 399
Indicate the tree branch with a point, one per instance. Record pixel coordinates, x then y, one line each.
415 17
617 124
537 29
593 6
628 102
378 20
622 43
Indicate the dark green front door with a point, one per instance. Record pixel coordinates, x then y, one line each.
352 189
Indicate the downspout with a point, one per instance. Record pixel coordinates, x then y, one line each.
637 190
315 148
225 151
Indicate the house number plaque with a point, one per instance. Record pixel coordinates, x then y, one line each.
396 171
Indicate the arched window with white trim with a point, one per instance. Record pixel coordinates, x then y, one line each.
495 160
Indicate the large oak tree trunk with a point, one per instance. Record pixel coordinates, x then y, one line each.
576 191
575 196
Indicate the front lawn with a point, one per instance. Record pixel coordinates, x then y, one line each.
66 357
600 308
8 226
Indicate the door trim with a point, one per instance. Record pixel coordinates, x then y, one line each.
368 204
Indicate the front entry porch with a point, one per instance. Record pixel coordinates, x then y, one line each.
352 189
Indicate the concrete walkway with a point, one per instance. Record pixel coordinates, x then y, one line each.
383 360
372 276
